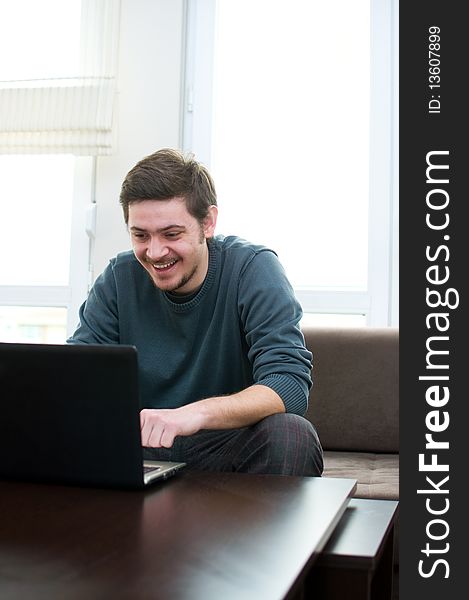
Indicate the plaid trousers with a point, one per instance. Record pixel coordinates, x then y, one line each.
282 444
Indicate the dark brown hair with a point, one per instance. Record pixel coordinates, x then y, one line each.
167 174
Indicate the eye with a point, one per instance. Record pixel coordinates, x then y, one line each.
172 235
139 235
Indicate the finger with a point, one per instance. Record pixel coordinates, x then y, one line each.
167 438
154 439
146 434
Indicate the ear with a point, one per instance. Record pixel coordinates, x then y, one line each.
210 222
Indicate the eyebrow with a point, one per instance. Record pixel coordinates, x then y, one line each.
161 230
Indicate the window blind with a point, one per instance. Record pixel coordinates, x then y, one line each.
72 114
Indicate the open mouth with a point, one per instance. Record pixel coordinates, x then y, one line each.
164 267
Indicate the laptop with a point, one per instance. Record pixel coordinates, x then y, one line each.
70 414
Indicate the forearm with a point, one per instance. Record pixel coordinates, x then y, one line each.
238 410
160 427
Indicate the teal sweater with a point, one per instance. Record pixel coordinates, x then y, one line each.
240 328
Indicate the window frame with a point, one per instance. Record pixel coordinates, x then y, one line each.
379 302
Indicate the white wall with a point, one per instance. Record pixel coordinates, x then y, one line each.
148 111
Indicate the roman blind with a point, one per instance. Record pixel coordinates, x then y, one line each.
72 113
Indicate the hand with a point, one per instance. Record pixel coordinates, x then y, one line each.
159 427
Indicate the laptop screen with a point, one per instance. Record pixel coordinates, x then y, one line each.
70 413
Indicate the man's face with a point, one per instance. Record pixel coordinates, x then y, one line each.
170 243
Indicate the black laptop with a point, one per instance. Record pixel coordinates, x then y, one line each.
70 414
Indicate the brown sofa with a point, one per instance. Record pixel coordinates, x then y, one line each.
354 405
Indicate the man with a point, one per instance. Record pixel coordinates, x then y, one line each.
224 373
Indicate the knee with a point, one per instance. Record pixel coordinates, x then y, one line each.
294 443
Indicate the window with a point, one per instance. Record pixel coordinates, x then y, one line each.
289 104
37 193
55 116
44 247
31 34
45 325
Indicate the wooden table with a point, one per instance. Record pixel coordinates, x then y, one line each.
198 536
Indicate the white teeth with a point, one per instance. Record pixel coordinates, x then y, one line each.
165 266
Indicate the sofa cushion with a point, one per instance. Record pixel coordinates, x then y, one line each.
377 475
354 401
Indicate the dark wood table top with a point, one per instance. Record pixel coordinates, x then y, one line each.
196 536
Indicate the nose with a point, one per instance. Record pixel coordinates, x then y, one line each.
156 249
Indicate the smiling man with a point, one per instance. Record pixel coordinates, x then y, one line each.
224 372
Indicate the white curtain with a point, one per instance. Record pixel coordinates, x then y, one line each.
73 114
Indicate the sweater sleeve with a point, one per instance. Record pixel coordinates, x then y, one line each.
270 316
98 315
